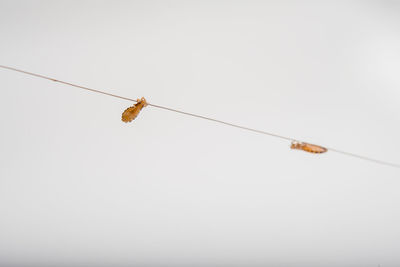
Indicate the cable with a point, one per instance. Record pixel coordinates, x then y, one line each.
70 84
202 117
364 158
222 122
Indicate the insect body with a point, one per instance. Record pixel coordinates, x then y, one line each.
132 112
308 147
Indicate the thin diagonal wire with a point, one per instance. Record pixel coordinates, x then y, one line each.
222 122
67 83
364 157
153 105
202 117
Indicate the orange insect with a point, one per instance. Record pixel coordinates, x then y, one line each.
308 147
132 112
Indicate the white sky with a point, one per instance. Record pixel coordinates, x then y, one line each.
78 187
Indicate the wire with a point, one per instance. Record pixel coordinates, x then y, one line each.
222 122
70 84
201 117
364 157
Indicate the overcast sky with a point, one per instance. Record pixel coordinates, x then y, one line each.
78 187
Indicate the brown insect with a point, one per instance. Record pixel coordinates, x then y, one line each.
308 147
132 112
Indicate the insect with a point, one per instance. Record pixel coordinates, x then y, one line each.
132 112
308 147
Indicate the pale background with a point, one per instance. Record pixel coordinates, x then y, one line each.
80 188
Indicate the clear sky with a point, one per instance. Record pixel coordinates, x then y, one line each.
78 187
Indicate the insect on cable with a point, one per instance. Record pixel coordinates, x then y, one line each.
201 117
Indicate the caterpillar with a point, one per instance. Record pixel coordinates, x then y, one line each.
308 147
132 112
